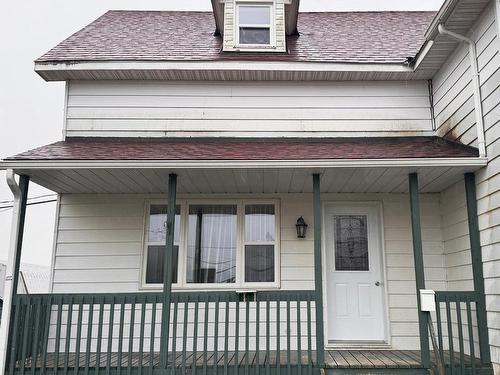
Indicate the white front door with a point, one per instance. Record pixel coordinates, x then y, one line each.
354 277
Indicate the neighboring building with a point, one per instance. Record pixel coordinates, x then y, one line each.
33 279
321 175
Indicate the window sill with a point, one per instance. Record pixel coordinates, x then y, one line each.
209 288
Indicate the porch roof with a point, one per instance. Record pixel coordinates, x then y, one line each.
248 149
246 166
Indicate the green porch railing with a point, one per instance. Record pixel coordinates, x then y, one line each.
265 332
457 329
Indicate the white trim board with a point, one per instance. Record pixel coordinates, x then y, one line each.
473 162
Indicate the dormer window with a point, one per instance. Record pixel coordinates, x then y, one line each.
254 25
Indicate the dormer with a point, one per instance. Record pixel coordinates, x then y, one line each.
255 25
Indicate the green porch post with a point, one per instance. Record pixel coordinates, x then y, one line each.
318 282
21 191
23 185
477 266
167 269
419 267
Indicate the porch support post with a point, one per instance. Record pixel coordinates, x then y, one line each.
477 266
20 193
419 267
318 282
167 269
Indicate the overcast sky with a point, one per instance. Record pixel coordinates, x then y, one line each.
31 110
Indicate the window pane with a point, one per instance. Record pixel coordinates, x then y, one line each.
259 223
259 263
154 264
351 243
255 15
253 35
211 244
157 223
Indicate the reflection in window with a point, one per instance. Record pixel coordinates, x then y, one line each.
155 242
211 245
351 243
260 228
254 24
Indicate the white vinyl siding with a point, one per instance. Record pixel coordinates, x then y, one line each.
100 239
265 109
456 119
453 90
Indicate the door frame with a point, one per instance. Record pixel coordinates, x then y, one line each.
378 205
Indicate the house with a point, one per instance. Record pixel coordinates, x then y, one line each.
258 190
34 279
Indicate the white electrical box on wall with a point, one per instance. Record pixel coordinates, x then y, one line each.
427 300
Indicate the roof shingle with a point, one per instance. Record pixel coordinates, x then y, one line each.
248 149
385 37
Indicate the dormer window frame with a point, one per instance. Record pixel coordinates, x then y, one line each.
271 25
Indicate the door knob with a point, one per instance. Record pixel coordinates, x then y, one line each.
377 283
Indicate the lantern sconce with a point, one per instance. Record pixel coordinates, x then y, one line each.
301 227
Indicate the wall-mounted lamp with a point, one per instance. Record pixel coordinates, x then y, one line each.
301 227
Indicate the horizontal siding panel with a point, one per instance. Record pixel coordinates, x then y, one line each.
150 108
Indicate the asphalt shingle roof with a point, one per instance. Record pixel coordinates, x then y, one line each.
375 37
248 149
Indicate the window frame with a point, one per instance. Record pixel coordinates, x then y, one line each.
240 283
272 27
146 243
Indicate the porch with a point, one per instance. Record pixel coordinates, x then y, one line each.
281 328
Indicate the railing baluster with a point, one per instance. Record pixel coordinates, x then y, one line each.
25 345
205 336
309 336
184 336
460 335
90 322
58 335
152 338
226 334
288 338
99 334
299 339
278 333
35 346
216 335
237 337
247 335
69 323
120 336
111 322
131 335
471 336
48 313
195 335
141 335
257 334
439 327
450 335
78 334
174 337
16 305
268 335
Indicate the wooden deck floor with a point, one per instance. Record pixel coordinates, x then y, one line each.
335 359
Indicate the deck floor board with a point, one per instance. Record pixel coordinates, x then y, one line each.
340 358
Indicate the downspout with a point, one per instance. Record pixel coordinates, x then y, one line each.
476 85
9 274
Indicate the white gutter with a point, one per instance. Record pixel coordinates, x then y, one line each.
476 85
273 66
8 291
242 164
